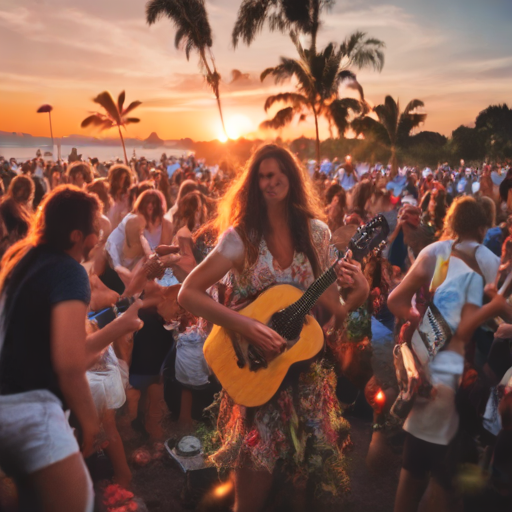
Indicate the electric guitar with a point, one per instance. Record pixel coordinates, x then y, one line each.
241 368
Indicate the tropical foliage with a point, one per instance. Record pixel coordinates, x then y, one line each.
115 115
392 128
193 32
297 16
319 76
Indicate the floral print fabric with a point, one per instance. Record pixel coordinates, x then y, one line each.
301 426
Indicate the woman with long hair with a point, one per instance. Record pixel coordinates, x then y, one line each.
191 215
120 180
15 212
186 186
448 279
148 228
22 190
269 232
161 181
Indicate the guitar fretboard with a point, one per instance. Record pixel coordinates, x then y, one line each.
291 319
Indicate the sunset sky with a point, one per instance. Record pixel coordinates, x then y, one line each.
455 55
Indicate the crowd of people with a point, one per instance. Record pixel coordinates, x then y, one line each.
112 277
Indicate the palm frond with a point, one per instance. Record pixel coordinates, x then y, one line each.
188 16
107 102
341 110
345 74
250 20
277 22
289 68
156 9
413 105
94 120
281 119
181 34
362 52
133 105
351 42
296 100
120 101
189 47
370 128
388 115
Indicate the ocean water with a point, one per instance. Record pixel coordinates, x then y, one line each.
102 153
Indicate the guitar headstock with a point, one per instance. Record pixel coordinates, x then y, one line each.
369 236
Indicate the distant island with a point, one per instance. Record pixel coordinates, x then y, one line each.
25 140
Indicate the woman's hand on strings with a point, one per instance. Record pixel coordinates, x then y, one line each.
264 338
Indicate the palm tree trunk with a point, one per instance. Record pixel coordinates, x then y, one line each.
217 96
122 142
315 23
317 138
51 131
394 163
215 86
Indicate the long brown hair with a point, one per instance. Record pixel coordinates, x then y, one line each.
188 206
244 206
63 210
148 196
115 173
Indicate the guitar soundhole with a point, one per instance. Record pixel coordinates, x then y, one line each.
287 326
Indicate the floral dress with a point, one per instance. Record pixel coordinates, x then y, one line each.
302 425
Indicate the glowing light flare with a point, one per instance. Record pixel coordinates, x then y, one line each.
223 489
236 127
380 398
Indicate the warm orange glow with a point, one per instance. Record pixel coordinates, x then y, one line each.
223 489
237 126
379 397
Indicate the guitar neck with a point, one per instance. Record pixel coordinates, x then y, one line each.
304 305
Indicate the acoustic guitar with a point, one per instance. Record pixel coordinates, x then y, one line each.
241 367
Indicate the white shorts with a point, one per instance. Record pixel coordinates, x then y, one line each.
34 432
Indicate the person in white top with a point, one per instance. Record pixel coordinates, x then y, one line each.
433 423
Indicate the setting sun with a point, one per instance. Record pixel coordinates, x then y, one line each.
237 126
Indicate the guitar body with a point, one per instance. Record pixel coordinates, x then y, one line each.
241 367
254 388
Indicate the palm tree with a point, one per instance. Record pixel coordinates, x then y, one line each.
397 125
298 16
44 109
319 75
115 115
194 33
